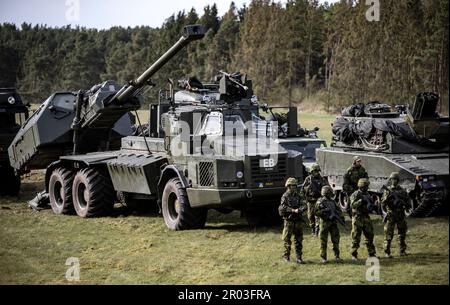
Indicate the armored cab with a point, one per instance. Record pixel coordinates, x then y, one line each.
236 89
13 114
410 140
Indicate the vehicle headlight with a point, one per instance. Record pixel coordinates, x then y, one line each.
11 100
239 175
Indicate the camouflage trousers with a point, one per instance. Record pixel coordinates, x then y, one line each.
313 219
389 227
293 228
331 228
362 225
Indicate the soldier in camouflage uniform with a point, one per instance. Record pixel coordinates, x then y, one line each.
291 209
311 192
394 202
328 211
352 176
362 204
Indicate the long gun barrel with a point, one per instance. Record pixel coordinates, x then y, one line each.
92 120
190 33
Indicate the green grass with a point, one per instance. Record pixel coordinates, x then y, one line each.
34 247
321 120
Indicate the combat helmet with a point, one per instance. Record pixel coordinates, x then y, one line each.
394 175
356 158
315 167
363 182
291 181
326 190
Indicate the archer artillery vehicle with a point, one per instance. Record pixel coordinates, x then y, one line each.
13 114
291 136
193 156
411 141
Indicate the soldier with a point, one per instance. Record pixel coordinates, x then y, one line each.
352 176
291 209
311 192
394 201
362 204
330 214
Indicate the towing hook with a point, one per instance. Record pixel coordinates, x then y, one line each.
249 194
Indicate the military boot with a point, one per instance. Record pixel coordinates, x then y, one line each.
286 258
313 232
300 261
403 253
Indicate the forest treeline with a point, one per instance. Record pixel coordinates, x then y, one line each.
296 52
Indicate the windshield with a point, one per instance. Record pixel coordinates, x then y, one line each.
213 124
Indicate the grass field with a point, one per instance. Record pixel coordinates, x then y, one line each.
139 249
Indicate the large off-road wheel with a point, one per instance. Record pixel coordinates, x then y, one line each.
176 210
93 193
60 191
10 185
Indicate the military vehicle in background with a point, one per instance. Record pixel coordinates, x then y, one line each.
411 141
13 114
192 157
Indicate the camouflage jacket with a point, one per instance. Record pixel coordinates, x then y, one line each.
360 202
291 202
312 187
351 178
325 208
395 200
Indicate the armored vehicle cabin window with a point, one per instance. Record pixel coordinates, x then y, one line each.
234 125
213 124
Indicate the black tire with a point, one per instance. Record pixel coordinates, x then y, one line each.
93 193
176 210
60 191
10 185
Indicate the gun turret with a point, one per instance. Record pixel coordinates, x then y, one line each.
86 121
425 120
104 109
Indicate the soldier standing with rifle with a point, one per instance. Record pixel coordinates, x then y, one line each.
362 204
311 191
330 214
291 209
394 201
352 176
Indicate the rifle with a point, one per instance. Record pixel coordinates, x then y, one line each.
370 205
398 201
333 215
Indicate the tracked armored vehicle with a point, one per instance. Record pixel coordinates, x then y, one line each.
13 114
411 141
193 156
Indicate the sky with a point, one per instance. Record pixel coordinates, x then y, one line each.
103 14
